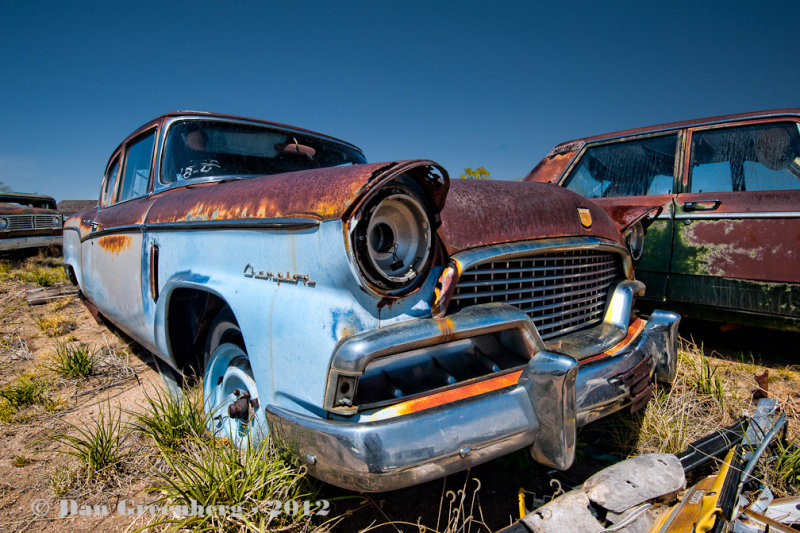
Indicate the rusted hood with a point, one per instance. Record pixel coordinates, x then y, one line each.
322 194
481 213
16 209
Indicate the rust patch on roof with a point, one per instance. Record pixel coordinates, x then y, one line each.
114 243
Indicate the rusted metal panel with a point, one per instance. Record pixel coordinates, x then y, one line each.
15 209
114 243
552 166
481 213
323 194
764 250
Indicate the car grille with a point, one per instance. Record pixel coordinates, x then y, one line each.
20 222
560 291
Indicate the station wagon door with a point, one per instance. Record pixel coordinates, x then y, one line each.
113 262
737 231
641 172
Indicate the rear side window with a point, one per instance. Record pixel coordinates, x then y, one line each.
136 175
763 157
630 168
110 182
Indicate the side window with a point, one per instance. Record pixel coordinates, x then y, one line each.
136 173
763 157
109 183
630 168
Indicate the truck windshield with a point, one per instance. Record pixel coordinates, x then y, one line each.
210 148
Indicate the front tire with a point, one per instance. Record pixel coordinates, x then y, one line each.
230 393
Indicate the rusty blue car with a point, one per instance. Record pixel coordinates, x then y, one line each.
385 325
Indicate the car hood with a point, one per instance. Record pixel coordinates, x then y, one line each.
481 213
16 209
320 194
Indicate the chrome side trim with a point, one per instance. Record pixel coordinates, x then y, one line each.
269 224
130 228
247 223
771 214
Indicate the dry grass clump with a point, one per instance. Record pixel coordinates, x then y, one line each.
459 512
54 325
699 401
27 390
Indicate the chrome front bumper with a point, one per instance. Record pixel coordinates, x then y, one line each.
554 395
18 243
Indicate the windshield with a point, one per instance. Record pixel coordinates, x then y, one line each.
41 203
208 148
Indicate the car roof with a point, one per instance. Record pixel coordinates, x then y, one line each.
575 143
207 114
24 196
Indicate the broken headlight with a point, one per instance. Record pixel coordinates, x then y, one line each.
392 239
634 240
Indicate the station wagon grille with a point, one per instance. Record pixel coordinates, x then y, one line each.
21 222
560 291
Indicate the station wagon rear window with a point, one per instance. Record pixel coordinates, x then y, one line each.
631 168
210 148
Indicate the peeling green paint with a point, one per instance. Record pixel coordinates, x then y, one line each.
688 256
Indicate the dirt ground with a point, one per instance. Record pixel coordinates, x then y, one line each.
32 471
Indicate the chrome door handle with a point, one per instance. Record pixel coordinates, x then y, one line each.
705 205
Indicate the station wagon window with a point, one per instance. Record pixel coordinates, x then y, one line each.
631 168
211 148
110 181
763 157
136 175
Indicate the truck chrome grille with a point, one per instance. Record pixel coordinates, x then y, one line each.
20 222
23 222
560 291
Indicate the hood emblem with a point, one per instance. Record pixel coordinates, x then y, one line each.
586 217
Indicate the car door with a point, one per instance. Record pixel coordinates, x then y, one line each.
737 233
113 247
639 171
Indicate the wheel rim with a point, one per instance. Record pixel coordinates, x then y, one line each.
228 378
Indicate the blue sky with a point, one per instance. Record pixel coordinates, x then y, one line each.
464 83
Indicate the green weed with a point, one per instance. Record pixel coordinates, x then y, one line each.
707 381
783 472
72 360
25 391
19 461
98 445
170 420
212 472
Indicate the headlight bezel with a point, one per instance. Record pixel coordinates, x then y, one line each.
392 238
634 241
4 223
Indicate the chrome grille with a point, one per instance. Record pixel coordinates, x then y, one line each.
560 291
23 222
20 222
44 221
